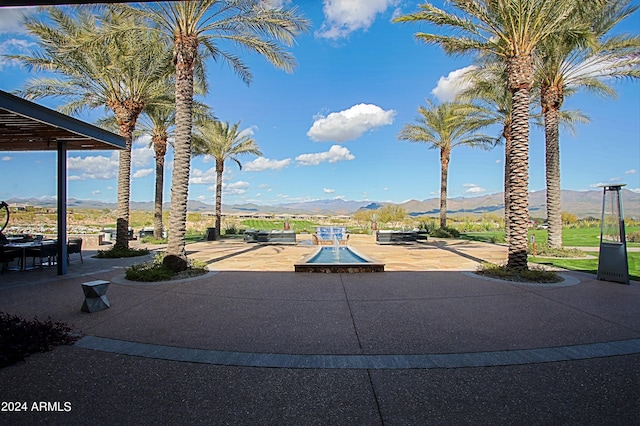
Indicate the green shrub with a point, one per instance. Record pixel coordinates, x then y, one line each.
231 230
532 275
116 252
545 250
149 239
498 239
148 272
156 270
428 225
20 338
633 237
446 232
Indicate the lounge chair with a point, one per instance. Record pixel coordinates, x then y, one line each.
400 237
271 237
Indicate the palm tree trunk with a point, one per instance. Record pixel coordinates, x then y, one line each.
185 53
445 155
126 116
506 134
520 80
551 100
219 171
124 193
160 149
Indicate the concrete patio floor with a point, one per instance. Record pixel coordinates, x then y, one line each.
435 255
426 342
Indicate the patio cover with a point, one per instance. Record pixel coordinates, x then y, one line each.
61 2
26 126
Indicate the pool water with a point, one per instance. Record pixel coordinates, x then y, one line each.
329 255
338 260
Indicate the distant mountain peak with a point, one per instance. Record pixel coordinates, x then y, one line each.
580 203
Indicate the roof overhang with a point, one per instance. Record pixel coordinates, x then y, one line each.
27 126
62 2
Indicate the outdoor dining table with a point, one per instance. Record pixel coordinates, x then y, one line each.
25 246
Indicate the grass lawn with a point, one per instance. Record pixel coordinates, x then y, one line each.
571 237
590 265
270 224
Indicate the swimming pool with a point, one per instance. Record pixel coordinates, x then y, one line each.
338 259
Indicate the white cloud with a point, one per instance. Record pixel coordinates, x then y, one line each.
203 177
143 140
275 3
11 18
235 188
141 157
96 192
350 124
472 188
207 158
142 173
93 167
342 17
262 163
328 190
631 172
12 46
336 153
6 158
450 86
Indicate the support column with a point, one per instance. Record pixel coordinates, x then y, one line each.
62 208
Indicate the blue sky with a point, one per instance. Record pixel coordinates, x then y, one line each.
330 128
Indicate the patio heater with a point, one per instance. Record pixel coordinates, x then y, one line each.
613 264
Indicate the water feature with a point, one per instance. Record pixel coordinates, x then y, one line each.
338 259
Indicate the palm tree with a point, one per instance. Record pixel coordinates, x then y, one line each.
222 142
563 68
98 72
511 31
202 28
446 126
158 121
486 87
159 125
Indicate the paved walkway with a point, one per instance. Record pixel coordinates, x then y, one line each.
427 342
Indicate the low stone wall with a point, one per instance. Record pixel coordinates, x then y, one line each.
88 240
339 268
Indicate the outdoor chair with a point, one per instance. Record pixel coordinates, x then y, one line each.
74 246
47 253
8 255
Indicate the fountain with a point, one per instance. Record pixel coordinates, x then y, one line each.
338 259
336 249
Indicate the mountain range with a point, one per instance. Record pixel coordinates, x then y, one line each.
580 203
